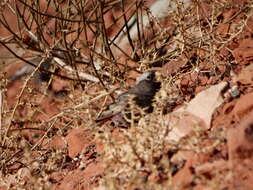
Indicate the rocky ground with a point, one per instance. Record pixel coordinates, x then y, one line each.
200 134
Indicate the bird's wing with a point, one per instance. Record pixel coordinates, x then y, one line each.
111 111
114 108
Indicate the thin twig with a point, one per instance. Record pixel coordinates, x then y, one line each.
80 74
81 105
45 134
1 108
18 101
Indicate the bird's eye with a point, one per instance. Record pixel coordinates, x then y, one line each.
150 77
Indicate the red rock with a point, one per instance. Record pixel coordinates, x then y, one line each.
184 81
204 9
199 89
109 21
244 53
240 139
81 179
228 14
194 77
13 91
233 45
58 176
57 142
59 84
249 25
239 2
184 123
243 106
206 102
209 167
200 187
77 139
184 177
49 107
240 145
224 52
131 77
246 75
10 18
203 80
223 30
173 66
228 108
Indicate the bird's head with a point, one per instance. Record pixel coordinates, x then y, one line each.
152 76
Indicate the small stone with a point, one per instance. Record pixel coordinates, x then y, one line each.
234 92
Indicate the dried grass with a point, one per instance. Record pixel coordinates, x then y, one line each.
135 158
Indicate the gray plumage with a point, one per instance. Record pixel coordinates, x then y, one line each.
142 95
